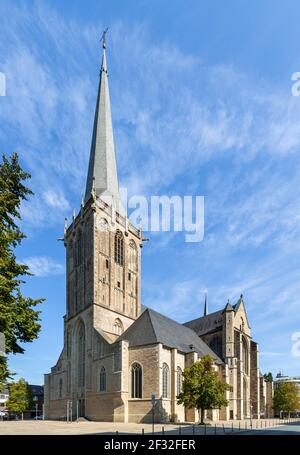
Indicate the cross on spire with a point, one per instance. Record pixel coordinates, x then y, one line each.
103 38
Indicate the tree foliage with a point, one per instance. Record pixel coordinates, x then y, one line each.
202 387
268 377
286 397
19 319
20 397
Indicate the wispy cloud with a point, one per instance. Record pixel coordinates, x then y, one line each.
42 266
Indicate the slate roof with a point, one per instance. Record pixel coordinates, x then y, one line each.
152 327
206 324
212 321
102 171
37 390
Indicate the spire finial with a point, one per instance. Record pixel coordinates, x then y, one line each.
103 38
205 305
65 225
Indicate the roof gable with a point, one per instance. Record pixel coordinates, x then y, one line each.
152 328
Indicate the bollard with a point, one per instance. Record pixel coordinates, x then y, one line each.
162 430
232 426
193 430
143 431
239 425
117 432
179 430
245 424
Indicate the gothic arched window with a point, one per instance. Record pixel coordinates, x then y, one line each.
102 380
69 341
118 327
245 355
132 259
81 356
71 256
119 248
179 380
216 345
60 388
79 248
136 381
165 381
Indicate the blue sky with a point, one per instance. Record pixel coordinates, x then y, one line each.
202 105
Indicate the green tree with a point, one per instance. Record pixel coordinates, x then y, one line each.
268 377
286 397
20 397
19 320
202 387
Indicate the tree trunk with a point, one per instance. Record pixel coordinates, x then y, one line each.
202 416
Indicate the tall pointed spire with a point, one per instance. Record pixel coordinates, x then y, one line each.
205 305
102 172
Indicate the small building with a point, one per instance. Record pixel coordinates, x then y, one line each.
4 396
282 378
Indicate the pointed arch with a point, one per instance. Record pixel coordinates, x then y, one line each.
102 379
80 354
118 327
119 248
165 380
245 355
132 256
179 380
136 380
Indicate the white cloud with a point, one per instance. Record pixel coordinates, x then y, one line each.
56 200
42 266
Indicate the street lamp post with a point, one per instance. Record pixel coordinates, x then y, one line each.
153 401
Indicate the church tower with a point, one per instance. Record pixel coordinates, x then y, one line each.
103 247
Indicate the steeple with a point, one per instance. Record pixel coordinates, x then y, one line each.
102 172
205 306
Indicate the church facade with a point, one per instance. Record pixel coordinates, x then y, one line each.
118 354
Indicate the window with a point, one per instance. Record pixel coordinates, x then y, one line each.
107 264
216 345
102 380
245 355
165 381
81 356
69 342
118 284
136 381
129 276
179 380
70 256
119 248
132 256
118 327
79 248
60 388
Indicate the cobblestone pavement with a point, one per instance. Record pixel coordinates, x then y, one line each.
50 427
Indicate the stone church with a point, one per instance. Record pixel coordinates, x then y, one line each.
117 354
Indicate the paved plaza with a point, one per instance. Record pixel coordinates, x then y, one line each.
50 427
